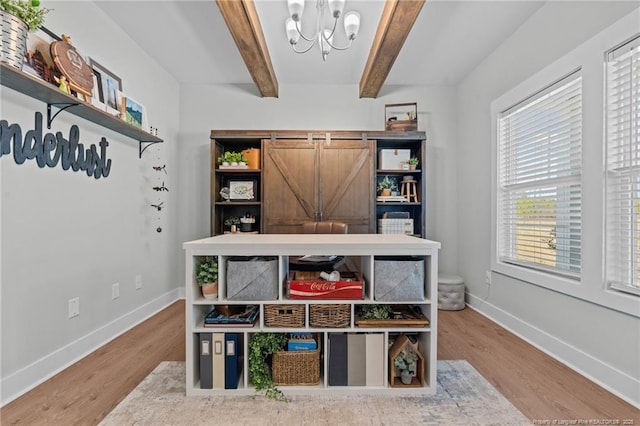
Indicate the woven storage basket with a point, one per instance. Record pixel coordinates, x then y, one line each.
296 368
329 316
291 316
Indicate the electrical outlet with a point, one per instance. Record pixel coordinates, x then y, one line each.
138 282
74 307
487 277
115 291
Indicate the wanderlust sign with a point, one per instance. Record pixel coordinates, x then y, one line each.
49 149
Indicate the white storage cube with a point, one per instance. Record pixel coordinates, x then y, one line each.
393 159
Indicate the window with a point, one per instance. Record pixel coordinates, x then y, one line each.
623 166
539 180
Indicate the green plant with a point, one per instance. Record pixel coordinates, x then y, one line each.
232 220
261 347
207 271
406 360
413 161
29 11
387 183
375 312
232 157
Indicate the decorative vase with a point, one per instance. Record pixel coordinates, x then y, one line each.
405 377
210 290
253 157
14 39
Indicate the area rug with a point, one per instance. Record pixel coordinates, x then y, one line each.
463 397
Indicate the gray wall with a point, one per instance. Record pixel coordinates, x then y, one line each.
66 235
601 342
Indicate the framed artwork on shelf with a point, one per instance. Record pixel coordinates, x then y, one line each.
109 85
133 112
243 190
38 61
401 117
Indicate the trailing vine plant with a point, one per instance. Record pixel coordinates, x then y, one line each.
261 347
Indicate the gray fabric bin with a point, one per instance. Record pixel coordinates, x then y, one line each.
252 278
398 279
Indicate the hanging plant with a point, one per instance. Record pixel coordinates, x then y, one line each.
261 347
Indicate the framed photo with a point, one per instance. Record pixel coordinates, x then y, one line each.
38 61
109 85
401 117
242 190
133 112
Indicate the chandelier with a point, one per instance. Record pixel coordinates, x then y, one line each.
325 29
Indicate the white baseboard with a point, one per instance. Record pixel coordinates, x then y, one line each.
43 369
610 378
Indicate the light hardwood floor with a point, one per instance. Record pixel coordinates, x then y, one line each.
539 386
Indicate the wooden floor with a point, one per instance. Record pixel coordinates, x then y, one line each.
540 387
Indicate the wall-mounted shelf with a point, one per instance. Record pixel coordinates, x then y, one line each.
24 83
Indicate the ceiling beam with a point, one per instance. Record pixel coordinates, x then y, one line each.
242 19
395 24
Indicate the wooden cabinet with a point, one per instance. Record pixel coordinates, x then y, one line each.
325 177
318 176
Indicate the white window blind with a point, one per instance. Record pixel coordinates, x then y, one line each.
623 166
539 179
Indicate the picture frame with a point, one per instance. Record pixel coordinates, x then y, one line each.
242 190
401 117
133 112
38 61
109 85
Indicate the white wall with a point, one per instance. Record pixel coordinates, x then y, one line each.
600 342
203 108
67 235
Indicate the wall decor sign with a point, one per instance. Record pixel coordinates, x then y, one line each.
49 149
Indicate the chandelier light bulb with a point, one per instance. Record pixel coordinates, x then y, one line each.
351 24
292 32
336 6
325 43
296 7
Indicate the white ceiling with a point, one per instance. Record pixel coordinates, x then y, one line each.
191 41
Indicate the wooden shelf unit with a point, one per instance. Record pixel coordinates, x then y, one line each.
41 90
366 248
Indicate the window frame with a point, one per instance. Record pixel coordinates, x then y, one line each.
588 56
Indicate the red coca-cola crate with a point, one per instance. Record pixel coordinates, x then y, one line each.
309 285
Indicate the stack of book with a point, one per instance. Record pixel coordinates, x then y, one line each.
301 342
246 318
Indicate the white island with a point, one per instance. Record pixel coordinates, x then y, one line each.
364 254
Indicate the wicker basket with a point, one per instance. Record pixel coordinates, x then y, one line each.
296 368
329 316
290 316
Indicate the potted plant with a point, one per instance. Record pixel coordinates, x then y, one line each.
375 312
406 363
22 16
232 223
413 162
261 348
231 158
207 277
385 185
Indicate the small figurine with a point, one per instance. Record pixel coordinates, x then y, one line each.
63 85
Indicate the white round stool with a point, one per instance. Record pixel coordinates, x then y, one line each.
450 292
